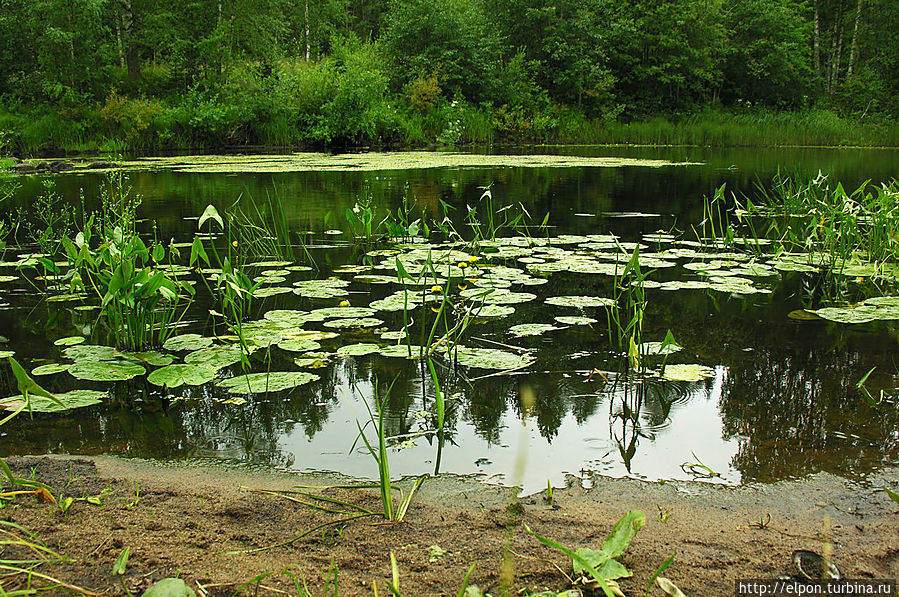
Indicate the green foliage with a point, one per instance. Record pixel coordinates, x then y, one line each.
231 287
600 566
831 224
378 450
140 301
453 39
770 60
80 74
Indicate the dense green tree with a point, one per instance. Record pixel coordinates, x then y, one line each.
450 38
769 58
667 54
55 50
564 43
206 72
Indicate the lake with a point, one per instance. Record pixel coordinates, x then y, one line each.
776 397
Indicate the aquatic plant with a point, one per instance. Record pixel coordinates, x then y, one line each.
262 230
140 299
715 226
377 448
231 287
826 221
13 535
402 226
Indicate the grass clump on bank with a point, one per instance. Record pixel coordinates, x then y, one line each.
320 107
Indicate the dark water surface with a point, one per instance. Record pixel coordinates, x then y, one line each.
782 402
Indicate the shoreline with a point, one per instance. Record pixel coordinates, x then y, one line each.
186 516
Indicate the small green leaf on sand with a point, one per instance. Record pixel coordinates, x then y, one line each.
170 587
669 587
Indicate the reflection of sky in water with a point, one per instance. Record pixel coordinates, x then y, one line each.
694 427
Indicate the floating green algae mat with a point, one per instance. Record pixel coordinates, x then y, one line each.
319 162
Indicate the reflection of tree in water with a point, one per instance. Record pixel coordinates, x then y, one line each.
796 411
793 402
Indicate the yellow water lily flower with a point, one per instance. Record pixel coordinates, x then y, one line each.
463 264
233 243
344 303
473 259
435 289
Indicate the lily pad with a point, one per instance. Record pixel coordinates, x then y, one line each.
4 354
214 357
73 399
63 298
69 341
792 266
258 383
358 350
299 345
655 348
315 335
51 369
860 314
531 329
271 291
491 358
106 370
313 360
393 335
187 342
576 320
498 296
151 357
355 322
402 351
174 376
290 317
90 352
580 302
342 312
687 372
883 301
493 311
399 301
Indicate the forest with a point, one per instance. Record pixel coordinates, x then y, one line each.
151 75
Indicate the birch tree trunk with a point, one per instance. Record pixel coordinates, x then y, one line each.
307 30
126 20
853 53
817 41
835 51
